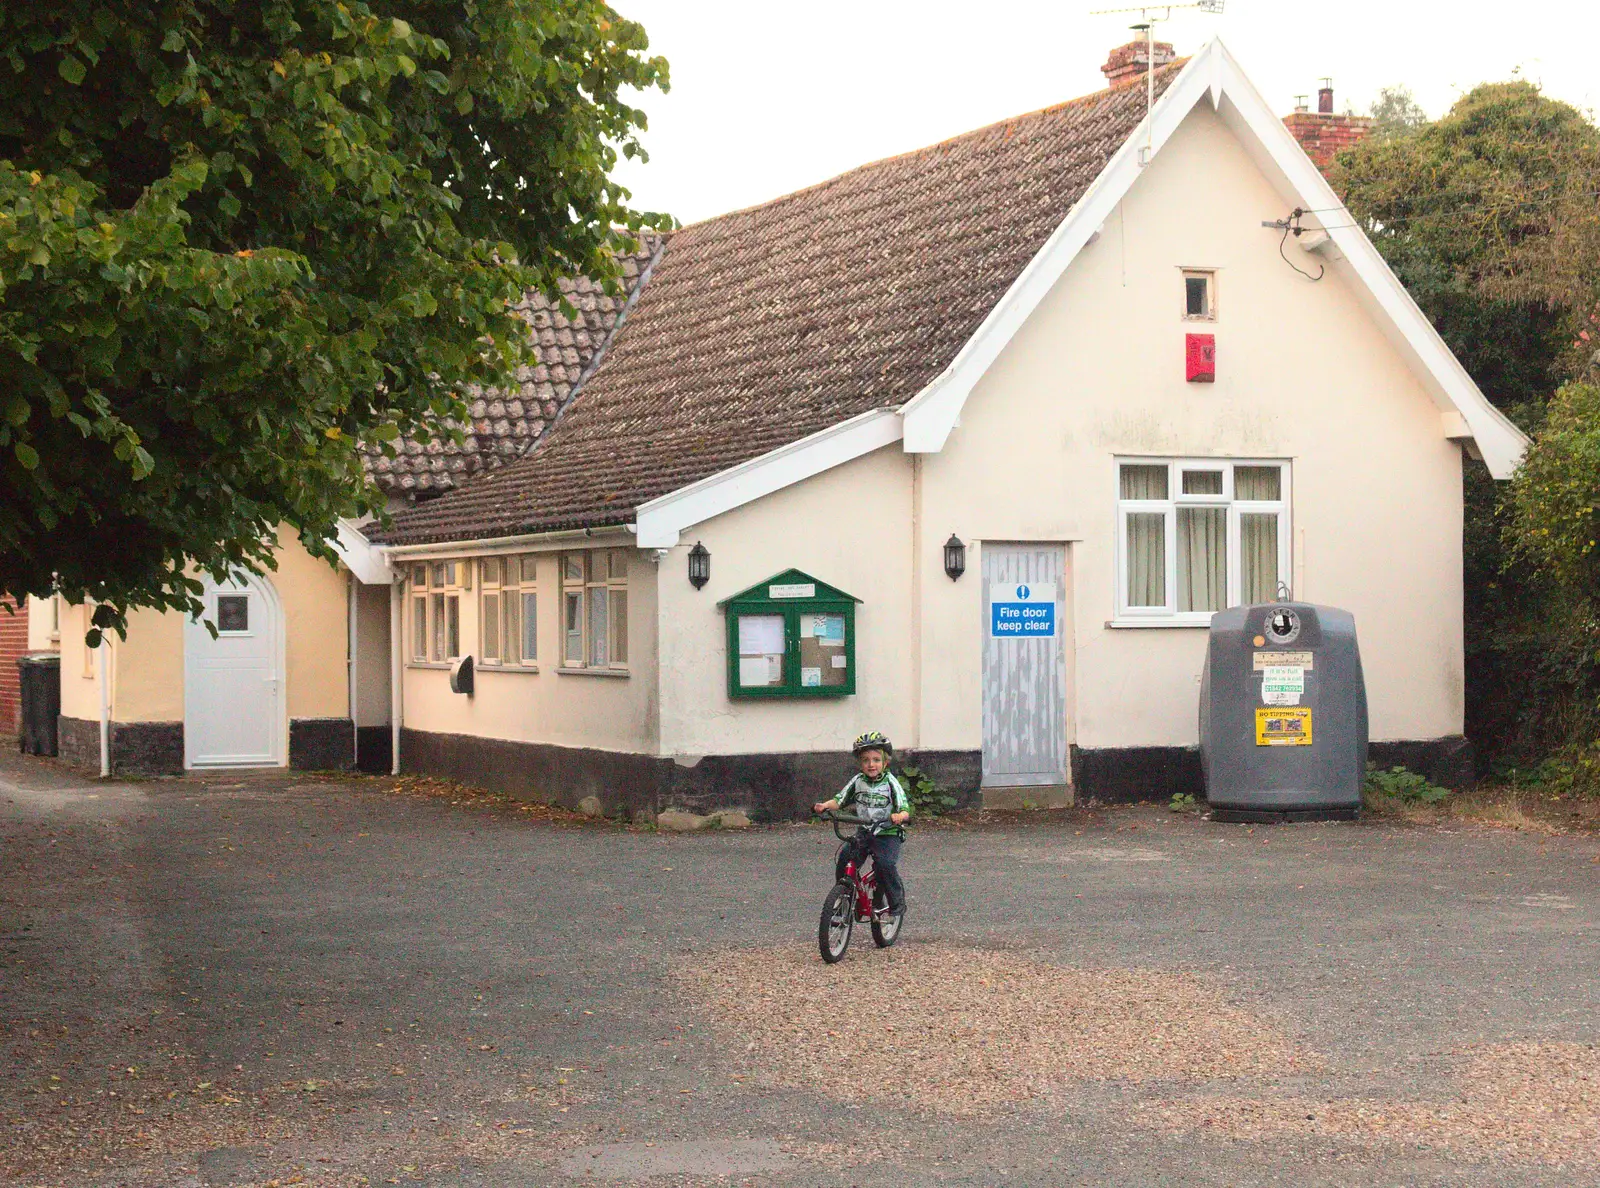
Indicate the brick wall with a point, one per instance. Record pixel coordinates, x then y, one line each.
1322 134
13 643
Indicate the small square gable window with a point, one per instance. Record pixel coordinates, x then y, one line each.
1199 295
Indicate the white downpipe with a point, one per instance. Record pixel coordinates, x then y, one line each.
105 707
351 675
397 672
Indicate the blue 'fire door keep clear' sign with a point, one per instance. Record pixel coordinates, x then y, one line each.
1022 608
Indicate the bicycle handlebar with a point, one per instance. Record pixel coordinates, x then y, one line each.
837 819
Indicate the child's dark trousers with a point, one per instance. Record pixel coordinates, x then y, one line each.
885 853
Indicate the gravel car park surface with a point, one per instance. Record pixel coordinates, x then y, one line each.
272 979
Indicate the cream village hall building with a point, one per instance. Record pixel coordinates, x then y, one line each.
965 446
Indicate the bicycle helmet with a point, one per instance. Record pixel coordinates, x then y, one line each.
872 740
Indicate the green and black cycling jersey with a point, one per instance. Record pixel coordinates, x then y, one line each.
875 800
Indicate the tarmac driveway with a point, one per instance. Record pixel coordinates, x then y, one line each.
283 981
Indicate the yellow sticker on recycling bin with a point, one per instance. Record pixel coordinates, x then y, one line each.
1279 727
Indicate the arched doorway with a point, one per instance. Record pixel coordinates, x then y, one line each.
233 683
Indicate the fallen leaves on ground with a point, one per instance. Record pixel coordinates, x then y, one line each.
962 1030
1518 1101
464 794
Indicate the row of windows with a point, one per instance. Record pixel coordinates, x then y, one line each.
1195 536
593 599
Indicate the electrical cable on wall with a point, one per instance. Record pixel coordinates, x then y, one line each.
1321 268
1292 224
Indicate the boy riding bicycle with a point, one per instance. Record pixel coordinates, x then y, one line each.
878 797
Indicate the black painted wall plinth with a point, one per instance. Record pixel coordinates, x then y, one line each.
1152 775
374 749
1448 761
1135 775
322 744
78 741
137 748
776 787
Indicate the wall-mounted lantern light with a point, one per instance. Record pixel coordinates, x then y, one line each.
699 565
955 557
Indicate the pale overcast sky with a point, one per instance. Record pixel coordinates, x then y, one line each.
769 96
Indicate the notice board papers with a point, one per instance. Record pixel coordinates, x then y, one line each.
760 650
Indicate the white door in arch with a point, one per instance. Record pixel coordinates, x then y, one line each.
233 681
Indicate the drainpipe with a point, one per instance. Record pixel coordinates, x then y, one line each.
917 595
354 647
397 671
105 707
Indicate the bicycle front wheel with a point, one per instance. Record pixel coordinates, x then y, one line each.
838 918
885 928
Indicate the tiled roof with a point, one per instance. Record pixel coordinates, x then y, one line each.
763 326
505 424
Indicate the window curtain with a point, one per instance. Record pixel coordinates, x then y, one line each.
513 633
598 613
1202 482
491 625
1202 558
1147 559
574 627
1147 536
1258 556
1144 482
1257 482
530 623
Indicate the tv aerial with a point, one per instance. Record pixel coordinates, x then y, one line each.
1147 25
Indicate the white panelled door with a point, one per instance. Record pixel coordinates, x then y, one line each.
233 683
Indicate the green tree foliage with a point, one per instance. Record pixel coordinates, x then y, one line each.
1556 494
236 236
1395 112
1488 216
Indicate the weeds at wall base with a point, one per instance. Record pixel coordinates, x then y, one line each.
1494 806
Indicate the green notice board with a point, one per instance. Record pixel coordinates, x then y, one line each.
791 636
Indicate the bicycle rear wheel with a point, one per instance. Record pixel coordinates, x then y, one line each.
838 918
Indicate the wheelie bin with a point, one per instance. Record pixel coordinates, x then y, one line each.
1283 714
40 678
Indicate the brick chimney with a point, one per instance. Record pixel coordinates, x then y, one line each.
1322 133
1128 63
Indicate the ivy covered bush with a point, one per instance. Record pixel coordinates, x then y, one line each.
927 798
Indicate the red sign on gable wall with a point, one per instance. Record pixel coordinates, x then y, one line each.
1200 358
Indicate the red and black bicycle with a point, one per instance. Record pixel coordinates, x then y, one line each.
855 897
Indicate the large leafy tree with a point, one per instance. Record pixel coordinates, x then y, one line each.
238 236
1395 112
1489 216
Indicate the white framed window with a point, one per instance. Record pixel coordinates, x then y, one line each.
594 609
1199 295
508 605
436 589
1198 535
